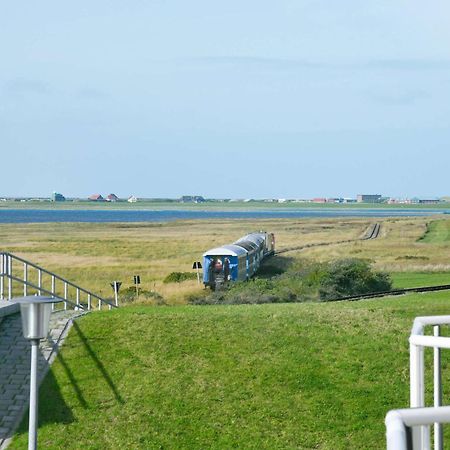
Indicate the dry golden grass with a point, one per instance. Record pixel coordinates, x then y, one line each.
93 255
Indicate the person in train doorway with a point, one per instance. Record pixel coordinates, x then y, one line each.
212 263
218 266
226 269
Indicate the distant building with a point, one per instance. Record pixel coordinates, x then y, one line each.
132 199
319 200
429 201
57 197
369 198
112 198
192 199
96 198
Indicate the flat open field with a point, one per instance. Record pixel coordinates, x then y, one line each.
93 255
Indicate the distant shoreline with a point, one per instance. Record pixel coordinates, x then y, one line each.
212 206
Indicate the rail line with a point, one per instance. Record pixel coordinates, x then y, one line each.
443 287
372 232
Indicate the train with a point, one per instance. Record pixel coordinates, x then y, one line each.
238 261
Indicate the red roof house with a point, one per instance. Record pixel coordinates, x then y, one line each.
112 198
96 198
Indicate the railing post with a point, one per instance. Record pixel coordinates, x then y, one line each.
438 432
53 290
89 302
39 281
2 271
99 304
65 295
25 279
420 435
9 277
78 299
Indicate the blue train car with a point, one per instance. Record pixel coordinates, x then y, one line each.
238 261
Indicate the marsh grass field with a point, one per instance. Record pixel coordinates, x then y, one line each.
412 250
278 376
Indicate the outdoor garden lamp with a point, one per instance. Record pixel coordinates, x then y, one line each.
35 312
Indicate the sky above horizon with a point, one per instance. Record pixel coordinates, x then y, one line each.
255 99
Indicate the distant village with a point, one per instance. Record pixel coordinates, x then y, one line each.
111 198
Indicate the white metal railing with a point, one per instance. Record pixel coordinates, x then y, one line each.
400 423
10 275
418 416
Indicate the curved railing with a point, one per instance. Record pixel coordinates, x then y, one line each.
410 428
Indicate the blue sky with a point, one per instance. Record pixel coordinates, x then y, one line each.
256 99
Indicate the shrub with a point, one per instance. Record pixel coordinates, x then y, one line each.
128 295
179 277
306 281
348 277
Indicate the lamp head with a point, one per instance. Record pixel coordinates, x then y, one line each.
35 312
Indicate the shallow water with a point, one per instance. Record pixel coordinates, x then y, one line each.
89 215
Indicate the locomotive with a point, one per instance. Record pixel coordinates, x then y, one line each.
238 261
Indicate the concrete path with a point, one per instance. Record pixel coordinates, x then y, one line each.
15 357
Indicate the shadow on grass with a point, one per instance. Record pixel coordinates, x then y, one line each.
98 363
73 381
52 405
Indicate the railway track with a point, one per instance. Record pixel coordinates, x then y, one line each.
372 232
443 287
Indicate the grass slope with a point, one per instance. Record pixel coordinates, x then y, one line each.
438 232
304 376
418 279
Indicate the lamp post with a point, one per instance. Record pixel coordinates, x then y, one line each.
35 312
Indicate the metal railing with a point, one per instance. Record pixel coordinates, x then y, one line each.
419 417
400 425
16 271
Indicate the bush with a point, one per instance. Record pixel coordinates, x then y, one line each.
348 277
294 286
128 295
179 277
304 282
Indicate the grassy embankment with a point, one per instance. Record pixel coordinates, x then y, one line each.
437 237
274 376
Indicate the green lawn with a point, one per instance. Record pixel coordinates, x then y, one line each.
305 376
418 279
438 232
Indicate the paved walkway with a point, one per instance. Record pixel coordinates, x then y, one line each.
15 357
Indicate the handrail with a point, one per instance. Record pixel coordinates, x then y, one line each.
398 422
70 283
419 416
46 291
6 260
